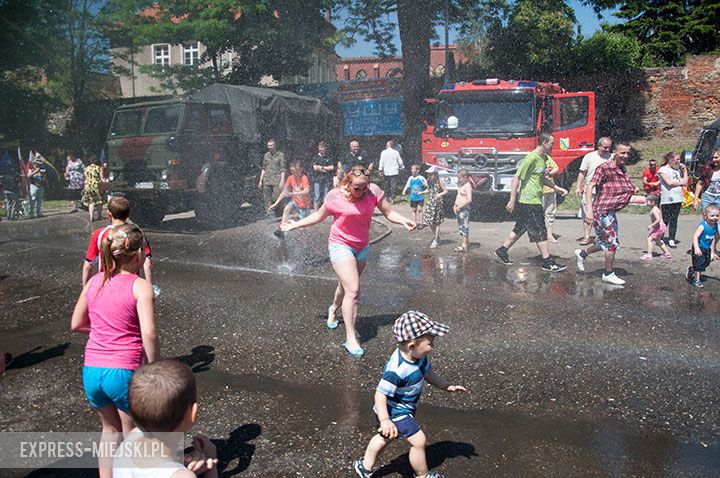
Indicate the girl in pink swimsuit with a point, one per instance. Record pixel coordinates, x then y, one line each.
115 309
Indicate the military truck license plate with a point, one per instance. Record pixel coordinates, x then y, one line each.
147 185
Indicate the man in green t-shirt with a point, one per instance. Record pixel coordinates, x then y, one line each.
529 180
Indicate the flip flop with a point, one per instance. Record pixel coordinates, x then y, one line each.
460 249
358 352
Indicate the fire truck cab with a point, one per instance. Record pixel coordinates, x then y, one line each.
488 126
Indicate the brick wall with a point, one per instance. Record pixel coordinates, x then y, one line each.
678 101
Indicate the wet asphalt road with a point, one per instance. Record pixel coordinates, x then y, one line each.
567 376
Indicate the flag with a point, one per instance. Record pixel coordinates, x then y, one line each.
5 163
46 165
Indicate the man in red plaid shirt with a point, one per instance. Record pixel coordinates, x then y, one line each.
614 191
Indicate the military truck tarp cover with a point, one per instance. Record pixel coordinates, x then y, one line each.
257 112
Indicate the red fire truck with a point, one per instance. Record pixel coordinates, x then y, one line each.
488 126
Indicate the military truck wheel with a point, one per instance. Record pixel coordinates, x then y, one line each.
148 214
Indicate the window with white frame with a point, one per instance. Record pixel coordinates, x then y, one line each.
161 54
191 54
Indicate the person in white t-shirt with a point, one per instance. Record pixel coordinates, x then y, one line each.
673 177
390 166
587 170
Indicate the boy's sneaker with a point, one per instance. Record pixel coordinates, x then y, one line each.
580 260
552 266
671 243
698 283
689 274
361 470
502 254
611 278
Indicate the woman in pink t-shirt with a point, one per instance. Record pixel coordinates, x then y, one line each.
115 309
352 205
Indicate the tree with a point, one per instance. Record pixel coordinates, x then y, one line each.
415 21
536 42
266 37
668 30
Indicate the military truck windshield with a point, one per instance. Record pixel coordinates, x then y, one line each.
162 119
126 123
487 113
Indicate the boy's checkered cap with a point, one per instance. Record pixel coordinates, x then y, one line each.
413 324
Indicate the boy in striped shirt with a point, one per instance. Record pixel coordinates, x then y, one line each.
399 391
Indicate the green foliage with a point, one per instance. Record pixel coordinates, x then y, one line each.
608 52
536 42
668 30
266 37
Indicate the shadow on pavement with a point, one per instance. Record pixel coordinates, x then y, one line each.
190 225
199 359
367 327
37 355
235 447
436 454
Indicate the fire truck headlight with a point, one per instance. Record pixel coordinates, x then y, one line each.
163 175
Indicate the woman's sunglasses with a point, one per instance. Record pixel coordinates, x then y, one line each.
360 172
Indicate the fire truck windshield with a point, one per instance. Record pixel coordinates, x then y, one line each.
487 113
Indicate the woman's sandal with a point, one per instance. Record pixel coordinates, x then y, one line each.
460 249
358 352
331 322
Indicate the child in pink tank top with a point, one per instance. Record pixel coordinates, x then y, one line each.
115 309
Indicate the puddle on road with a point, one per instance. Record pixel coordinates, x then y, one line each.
503 444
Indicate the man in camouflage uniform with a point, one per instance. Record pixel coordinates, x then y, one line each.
272 175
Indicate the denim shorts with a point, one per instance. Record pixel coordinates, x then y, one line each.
406 426
339 252
302 211
107 386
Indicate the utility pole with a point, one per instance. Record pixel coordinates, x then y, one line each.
447 42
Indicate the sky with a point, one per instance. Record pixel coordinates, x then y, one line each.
585 15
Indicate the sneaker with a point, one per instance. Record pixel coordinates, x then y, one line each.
433 245
553 267
611 278
361 470
698 283
279 234
689 274
580 260
502 254
671 243
434 474
646 257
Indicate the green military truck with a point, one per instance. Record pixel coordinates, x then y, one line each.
203 152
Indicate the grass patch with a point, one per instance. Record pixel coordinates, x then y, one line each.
49 204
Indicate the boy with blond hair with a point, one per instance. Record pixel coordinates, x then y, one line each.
399 391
